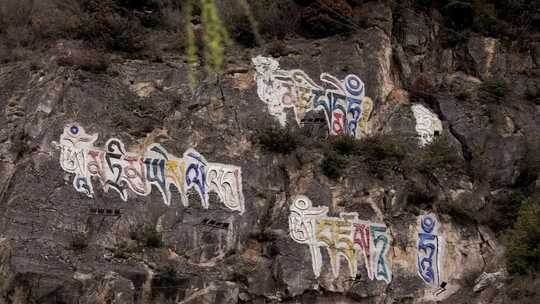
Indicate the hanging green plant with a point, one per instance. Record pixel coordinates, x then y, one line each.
191 47
214 37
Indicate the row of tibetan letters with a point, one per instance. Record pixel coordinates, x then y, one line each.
348 237
346 107
119 170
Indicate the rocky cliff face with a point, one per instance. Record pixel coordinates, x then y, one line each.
60 245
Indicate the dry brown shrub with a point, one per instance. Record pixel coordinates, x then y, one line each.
85 59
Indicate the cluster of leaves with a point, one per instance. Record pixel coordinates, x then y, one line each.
523 290
166 281
462 210
439 155
493 17
148 236
282 140
151 237
381 154
523 240
79 241
101 22
124 249
498 88
326 17
86 59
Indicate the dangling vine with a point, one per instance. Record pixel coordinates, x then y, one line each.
214 36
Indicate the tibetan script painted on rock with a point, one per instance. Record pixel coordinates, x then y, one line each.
430 252
428 124
344 237
344 104
119 170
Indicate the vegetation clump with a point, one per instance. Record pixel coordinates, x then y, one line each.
523 240
334 165
151 237
439 155
79 241
123 249
381 154
498 88
281 140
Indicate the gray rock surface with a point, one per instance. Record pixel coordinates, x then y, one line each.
54 249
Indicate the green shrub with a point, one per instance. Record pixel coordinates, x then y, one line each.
277 49
277 19
382 154
501 212
523 240
439 155
333 165
345 144
166 283
326 18
151 237
522 290
533 96
109 29
424 3
88 60
459 13
461 209
79 241
138 4
498 88
123 249
463 95
278 140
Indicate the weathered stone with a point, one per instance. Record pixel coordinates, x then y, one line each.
55 249
488 56
488 279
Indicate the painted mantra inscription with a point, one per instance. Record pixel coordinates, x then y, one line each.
344 236
430 251
120 170
428 124
345 105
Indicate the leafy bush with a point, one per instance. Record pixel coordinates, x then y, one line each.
105 27
333 165
424 3
422 88
151 237
501 212
498 88
459 13
523 240
383 154
523 290
166 282
239 21
277 18
326 17
439 155
123 250
79 241
345 144
88 60
277 49
278 140
463 95
461 209
14 13
138 4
